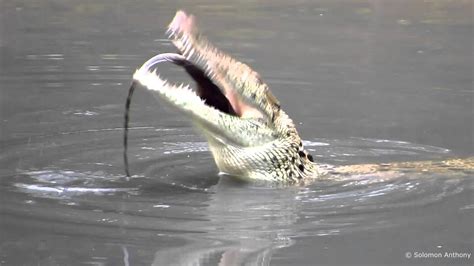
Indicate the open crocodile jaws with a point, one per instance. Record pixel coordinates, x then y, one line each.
248 133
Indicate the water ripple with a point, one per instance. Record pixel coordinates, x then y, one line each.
66 184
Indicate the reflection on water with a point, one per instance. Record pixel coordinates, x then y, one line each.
367 82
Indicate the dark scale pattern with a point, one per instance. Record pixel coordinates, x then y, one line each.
274 159
301 167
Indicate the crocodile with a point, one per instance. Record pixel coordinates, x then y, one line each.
249 134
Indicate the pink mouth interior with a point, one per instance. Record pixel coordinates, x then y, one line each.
185 24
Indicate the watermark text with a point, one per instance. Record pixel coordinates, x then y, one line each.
438 255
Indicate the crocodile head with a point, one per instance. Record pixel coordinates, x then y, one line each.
249 135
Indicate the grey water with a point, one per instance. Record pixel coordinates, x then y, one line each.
365 81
